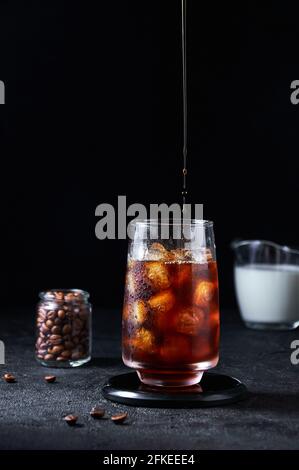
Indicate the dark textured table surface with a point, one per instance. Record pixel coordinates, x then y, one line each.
31 410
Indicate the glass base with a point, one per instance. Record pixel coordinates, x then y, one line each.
64 364
189 374
272 326
170 378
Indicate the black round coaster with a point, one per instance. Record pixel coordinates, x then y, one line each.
213 390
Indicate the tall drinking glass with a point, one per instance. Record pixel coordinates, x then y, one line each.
170 325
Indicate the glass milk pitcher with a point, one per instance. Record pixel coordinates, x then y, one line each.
267 284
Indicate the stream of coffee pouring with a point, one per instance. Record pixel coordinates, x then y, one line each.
185 102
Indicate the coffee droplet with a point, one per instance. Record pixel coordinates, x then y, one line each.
185 101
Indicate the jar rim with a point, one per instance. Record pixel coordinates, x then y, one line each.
49 294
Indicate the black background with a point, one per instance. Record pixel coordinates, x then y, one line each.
93 110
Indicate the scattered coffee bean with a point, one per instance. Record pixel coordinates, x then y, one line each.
71 420
97 413
50 379
9 378
120 418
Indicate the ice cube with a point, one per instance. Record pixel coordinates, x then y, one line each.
158 275
204 293
202 255
162 302
136 312
130 283
207 255
157 252
190 321
140 311
144 341
137 282
181 255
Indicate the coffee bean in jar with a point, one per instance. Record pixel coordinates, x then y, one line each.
63 328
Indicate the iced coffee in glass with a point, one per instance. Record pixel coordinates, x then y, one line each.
170 323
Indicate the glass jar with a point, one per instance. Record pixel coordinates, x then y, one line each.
63 327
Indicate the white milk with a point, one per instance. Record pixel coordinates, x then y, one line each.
268 293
